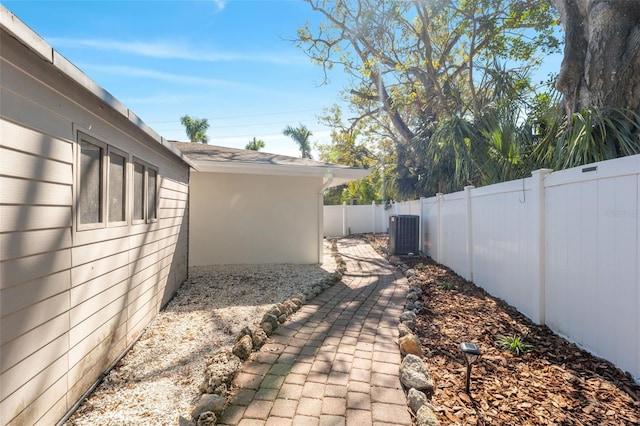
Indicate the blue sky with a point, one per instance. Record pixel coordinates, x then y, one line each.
229 61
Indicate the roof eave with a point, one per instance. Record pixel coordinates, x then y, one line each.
340 175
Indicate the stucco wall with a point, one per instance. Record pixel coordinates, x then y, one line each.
243 219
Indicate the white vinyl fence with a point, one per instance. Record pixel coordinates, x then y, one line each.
343 220
562 247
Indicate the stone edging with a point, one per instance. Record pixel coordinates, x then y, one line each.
414 374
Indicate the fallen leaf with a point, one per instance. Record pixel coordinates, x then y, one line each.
451 417
464 397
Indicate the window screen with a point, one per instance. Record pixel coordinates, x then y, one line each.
138 192
117 189
152 194
90 197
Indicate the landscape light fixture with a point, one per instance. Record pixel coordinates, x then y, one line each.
471 355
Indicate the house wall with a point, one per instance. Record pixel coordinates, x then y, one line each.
72 301
245 218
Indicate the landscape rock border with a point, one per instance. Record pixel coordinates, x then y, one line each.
414 373
224 363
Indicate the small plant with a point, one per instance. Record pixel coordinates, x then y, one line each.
514 344
447 285
420 266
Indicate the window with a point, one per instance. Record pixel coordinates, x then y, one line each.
105 187
117 187
90 202
102 185
138 192
145 192
152 213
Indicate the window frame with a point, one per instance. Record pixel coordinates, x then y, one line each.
83 137
156 192
130 162
145 194
125 186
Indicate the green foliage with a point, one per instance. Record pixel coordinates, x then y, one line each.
433 69
589 136
195 128
300 136
333 196
493 147
447 285
255 145
514 344
347 148
441 95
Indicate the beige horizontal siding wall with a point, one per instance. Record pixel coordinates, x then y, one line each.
72 301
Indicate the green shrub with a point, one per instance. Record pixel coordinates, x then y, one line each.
514 344
446 285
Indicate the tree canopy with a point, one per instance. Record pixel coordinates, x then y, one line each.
255 144
196 128
347 148
411 60
300 136
441 93
600 81
426 69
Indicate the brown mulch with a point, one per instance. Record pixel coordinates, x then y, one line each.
554 383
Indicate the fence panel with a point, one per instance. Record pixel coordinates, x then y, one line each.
592 279
382 214
344 219
430 227
332 220
502 221
360 219
453 228
562 247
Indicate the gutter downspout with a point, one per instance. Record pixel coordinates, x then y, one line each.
328 179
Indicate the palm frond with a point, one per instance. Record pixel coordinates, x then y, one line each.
594 135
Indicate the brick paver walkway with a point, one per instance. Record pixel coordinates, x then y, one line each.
334 362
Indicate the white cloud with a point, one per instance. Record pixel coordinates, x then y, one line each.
156 99
164 49
220 4
163 76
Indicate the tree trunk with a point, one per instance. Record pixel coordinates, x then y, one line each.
601 66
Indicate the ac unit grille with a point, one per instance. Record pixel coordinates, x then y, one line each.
404 233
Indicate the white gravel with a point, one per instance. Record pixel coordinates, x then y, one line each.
157 382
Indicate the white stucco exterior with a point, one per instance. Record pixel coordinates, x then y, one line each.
249 207
254 219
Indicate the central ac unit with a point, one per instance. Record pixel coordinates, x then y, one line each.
404 234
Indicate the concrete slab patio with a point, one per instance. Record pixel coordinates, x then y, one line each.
336 361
